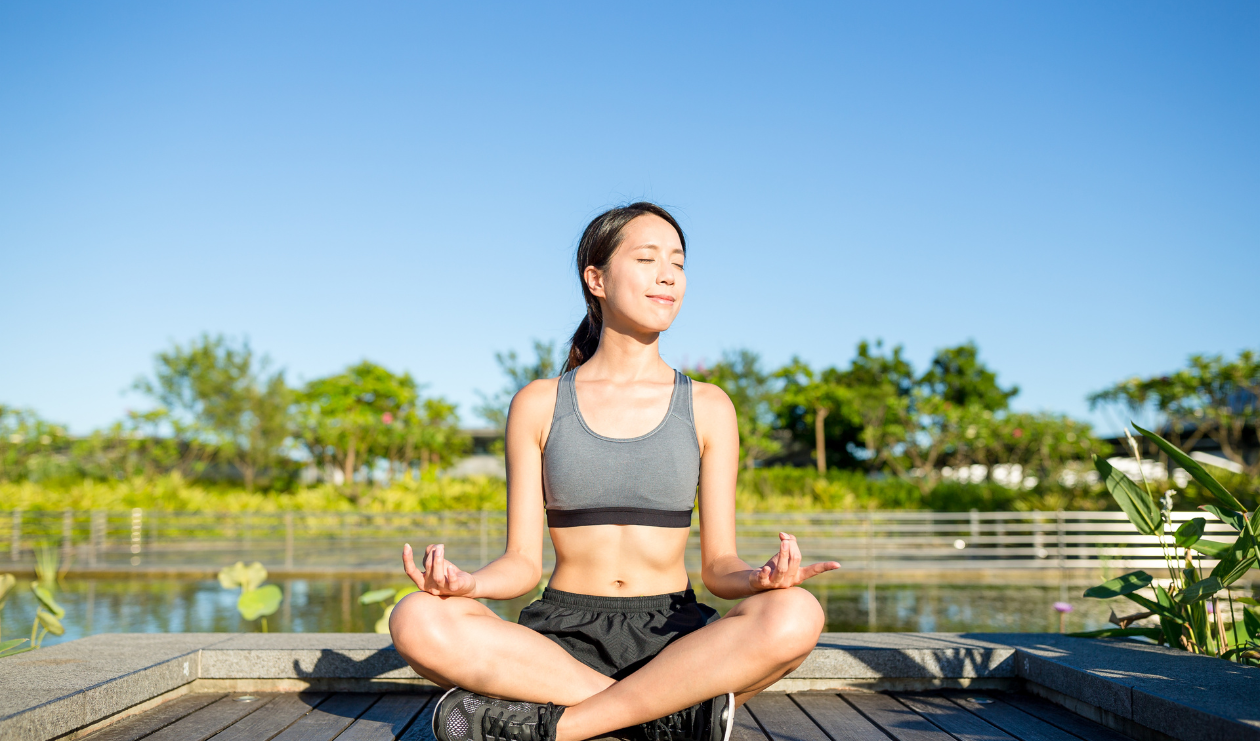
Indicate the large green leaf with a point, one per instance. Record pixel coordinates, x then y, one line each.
1190 532
1194 469
11 644
376 595
1251 623
259 602
46 599
1163 611
1248 601
1136 503
1200 590
50 622
1170 627
1130 582
1233 519
1212 548
6 585
1153 633
1236 561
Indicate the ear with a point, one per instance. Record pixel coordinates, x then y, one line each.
594 281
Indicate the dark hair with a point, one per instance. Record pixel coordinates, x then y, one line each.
599 241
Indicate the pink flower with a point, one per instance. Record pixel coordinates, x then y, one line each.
387 418
1063 607
1019 433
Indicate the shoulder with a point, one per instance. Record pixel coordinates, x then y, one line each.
710 403
536 400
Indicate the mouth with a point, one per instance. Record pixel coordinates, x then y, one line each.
662 300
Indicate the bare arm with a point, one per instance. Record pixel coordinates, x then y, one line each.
520 567
725 574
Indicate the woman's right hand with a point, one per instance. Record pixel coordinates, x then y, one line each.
440 577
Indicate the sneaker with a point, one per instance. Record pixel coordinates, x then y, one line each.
710 720
467 716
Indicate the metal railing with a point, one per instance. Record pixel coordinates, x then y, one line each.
863 541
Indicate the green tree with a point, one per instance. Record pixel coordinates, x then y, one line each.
958 376
217 394
546 364
1213 397
347 419
810 398
30 447
754 393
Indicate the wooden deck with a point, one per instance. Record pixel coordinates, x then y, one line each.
808 716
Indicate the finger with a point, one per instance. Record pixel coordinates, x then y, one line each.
409 563
439 564
794 553
818 568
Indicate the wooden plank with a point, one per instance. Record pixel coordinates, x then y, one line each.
949 717
211 719
1062 717
385 720
421 729
745 728
1019 724
837 717
332 717
896 719
782 720
139 726
279 714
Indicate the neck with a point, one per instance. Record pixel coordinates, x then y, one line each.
625 356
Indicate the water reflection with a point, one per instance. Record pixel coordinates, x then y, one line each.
149 605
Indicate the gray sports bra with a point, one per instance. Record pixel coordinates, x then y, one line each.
589 479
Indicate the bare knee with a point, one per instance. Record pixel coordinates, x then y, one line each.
419 625
791 621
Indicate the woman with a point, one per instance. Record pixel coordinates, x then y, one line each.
612 452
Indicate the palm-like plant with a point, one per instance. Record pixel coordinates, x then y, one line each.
1189 609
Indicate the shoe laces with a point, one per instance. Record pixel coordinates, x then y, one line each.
502 724
684 725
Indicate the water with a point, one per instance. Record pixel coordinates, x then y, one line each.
150 605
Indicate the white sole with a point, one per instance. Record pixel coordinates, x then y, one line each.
730 716
433 723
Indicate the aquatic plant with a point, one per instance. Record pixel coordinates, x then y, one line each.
7 582
256 600
390 595
1195 612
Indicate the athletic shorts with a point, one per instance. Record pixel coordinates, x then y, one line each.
616 635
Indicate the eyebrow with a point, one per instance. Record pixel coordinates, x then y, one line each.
655 246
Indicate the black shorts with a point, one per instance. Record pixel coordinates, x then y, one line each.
616 635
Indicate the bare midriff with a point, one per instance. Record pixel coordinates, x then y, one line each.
619 560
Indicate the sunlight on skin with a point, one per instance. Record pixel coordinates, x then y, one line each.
623 391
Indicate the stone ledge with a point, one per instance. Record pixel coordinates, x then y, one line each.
56 690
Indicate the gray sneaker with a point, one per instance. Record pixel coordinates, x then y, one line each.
461 715
710 720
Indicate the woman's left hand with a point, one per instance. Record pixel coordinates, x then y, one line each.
784 569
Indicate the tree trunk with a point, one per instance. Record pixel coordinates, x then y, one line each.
820 442
348 471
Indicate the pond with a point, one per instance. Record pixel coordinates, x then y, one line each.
153 604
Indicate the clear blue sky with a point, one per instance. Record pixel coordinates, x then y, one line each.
1074 186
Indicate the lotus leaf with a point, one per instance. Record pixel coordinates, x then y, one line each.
259 602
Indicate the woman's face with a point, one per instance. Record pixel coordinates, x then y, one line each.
643 287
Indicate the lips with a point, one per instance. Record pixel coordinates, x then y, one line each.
667 300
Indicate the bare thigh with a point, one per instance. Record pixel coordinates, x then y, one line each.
456 641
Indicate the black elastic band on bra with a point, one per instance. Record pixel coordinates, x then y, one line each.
618 516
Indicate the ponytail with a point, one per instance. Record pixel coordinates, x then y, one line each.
599 241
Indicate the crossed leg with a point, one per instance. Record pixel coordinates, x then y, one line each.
458 641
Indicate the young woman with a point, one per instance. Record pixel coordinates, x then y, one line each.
612 452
